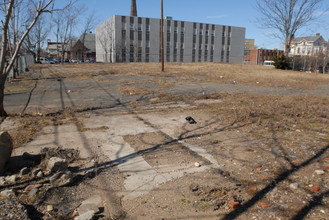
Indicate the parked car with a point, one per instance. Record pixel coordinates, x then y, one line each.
74 60
56 60
90 61
44 60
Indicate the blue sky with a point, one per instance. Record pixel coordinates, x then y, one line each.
241 13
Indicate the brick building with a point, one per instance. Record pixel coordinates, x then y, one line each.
258 56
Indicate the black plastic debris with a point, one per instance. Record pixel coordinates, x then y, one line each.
190 120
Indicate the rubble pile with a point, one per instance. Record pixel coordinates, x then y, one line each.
27 179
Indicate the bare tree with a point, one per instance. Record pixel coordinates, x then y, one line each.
37 36
7 59
89 25
64 23
288 16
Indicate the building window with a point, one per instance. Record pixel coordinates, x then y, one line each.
132 52
123 19
147 36
182 38
139 27
139 35
148 28
139 56
147 54
123 54
131 26
124 35
132 35
168 36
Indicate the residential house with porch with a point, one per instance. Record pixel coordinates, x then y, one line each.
308 46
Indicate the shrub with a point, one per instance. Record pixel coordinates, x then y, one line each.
282 62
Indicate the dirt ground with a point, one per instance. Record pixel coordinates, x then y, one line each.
260 139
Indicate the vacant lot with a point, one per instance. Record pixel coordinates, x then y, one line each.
261 137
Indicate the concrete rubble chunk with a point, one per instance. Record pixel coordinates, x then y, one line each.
293 186
50 208
12 178
40 174
2 180
56 164
89 208
92 203
6 148
319 172
7 193
61 179
86 216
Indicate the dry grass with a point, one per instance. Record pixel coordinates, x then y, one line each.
308 114
271 112
206 72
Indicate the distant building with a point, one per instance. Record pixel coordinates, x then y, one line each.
55 49
258 56
84 47
308 46
249 44
136 39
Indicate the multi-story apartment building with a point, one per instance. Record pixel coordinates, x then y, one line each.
136 39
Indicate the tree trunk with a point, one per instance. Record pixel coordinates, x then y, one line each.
3 113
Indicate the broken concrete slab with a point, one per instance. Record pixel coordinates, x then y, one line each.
91 204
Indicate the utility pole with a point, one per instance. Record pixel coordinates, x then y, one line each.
161 36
